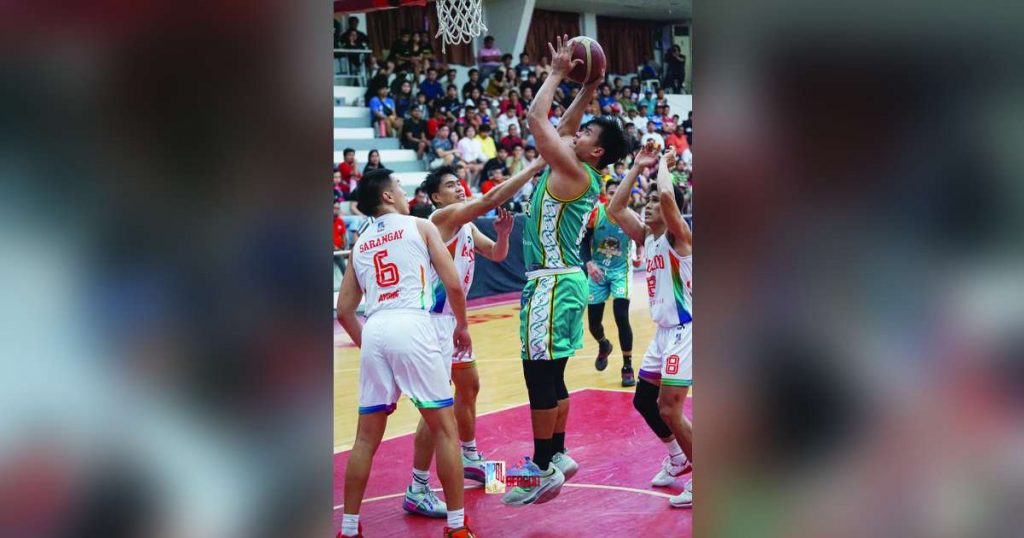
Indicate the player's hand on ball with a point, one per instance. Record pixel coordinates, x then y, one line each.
647 156
592 85
561 57
503 224
462 341
595 272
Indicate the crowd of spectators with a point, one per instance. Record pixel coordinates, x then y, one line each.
481 128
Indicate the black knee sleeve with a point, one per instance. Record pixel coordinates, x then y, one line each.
645 401
595 314
561 391
620 307
543 382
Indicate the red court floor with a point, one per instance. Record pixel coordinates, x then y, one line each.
610 496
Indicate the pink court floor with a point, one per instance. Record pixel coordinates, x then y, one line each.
611 494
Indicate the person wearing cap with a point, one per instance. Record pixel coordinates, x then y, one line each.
648 99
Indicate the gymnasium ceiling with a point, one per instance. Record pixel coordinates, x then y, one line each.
666 10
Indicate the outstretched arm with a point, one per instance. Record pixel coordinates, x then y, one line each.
618 207
496 251
456 215
674 220
570 122
549 143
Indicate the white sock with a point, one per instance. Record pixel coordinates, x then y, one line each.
675 452
350 524
469 449
456 518
419 480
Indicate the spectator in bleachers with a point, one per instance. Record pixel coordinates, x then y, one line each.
515 162
350 174
361 39
420 205
556 115
337 34
473 82
527 98
428 55
660 98
639 119
668 123
649 69
515 102
416 55
652 134
452 103
434 124
531 82
383 113
404 99
543 69
617 86
506 62
339 230
472 155
632 137
414 134
626 102
489 58
675 69
512 139
495 177
507 120
679 175
677 141
487 145
647 100
497 162
379 80
372 162
687 159
350 40
619 172
421 104
657 117
530 155
441 149
338 195
524 67
609 105
498 84
688 127
461 173
475 99
471 118
401 51
450 76
431 87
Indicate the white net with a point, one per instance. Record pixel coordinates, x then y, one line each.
459 21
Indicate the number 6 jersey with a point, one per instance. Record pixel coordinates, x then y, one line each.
392 265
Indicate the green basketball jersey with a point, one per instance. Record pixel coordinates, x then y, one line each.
555 228
611 246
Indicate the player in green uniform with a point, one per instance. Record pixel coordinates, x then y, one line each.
609 255
555 295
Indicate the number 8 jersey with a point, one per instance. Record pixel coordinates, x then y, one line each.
392 265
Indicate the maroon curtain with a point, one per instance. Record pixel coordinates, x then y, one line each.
544 27
626 42
384 26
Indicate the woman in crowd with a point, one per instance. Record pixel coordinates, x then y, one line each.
472 153
372 162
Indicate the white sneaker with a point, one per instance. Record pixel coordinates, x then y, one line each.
549 488
684 499
668 473
567 465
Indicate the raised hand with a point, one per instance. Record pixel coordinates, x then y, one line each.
504 223
669 158
646 157
561 57
592 85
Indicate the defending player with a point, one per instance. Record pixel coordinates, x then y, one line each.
555 294
454 220
666 373
608 254
391 263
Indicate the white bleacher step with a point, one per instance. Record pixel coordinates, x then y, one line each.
367 143
386 155
410 180
353 133
353 112
349 93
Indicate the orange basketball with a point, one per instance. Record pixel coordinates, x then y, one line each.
590 51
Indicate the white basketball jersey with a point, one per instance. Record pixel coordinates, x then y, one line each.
392 264
460 246
669 283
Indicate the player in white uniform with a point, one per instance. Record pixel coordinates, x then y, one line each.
454 220
666 373
391 263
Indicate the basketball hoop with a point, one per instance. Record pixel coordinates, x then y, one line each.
458 21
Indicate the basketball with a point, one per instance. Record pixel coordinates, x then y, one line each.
590 51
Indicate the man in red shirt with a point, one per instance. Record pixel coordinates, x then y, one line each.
435 123
677 140
350 174
496 177
513 139
339 236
